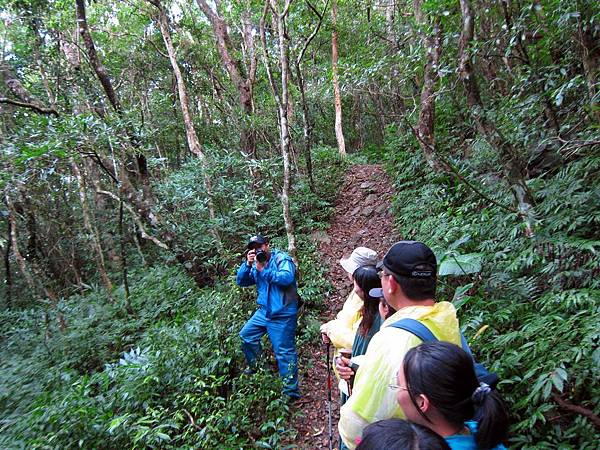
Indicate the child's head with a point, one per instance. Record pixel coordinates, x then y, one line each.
398 434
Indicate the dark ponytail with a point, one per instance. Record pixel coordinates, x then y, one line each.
492 421
367 278
444 373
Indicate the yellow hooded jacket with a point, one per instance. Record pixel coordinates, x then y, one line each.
342 329
372 400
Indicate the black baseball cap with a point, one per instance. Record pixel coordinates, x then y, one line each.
409 259
256 241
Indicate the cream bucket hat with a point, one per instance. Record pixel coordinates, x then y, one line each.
360 256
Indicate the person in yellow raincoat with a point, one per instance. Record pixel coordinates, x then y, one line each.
342 330
408 279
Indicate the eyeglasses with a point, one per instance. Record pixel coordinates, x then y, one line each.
394 385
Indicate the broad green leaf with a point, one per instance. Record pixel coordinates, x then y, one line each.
457 264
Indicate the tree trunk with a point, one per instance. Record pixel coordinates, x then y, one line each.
285 129
95 62
233 68
282 108
339 133
190 131
26 272
426 124
7 269
102 74
93 231
124 267
37 47
590 56
307 126
513 166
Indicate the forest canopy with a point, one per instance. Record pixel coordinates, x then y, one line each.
143 141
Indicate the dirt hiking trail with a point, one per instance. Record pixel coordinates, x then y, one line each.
362 217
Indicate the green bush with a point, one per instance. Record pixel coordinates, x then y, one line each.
531 311
169 374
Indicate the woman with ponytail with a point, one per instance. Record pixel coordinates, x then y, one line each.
366 278
437 388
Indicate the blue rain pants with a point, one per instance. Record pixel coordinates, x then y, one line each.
282 332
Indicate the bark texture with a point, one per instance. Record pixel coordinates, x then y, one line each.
282 100
339 132
242 83
92 229
433 45
190 131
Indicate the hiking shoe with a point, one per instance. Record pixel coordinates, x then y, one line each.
249 371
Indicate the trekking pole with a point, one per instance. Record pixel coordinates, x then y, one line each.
329 399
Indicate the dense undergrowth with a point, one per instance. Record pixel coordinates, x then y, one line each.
529 306
169 375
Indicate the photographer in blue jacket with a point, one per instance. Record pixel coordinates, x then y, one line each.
274 274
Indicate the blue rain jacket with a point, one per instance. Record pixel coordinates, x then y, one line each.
278 276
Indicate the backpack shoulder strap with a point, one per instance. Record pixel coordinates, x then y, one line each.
417 328
465 345
422 332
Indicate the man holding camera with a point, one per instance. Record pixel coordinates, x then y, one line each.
274 274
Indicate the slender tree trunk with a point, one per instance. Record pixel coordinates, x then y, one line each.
358 120
37 47
590 56
190 131
433 47
307 125
282 101
7 269
285 128
92 230
339 133
513 166
176 118
95 62
102 74
26 272
128 306
306 128
242 84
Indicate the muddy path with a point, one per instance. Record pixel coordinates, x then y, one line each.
362 217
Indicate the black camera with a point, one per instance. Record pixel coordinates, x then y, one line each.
261 256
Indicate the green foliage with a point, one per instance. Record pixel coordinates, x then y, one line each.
167 376
528 305
146 380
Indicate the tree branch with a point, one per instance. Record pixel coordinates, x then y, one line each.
136 219
456 172
315 31
36 108
566 405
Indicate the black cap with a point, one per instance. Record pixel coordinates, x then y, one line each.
410 259
256 240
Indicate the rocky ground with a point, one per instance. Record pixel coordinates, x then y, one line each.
362 218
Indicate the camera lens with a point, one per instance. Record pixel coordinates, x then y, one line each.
261 256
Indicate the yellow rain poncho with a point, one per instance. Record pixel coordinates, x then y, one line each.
372 400
342 329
